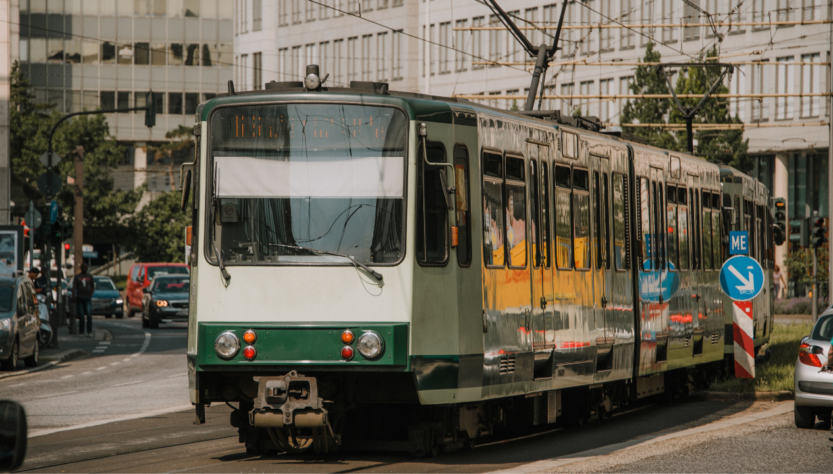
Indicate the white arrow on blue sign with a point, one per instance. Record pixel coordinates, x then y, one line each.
741 278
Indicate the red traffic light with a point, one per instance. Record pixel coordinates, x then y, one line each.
66 247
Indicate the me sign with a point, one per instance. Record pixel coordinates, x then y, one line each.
738 243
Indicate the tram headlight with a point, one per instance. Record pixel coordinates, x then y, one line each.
226 345
370 345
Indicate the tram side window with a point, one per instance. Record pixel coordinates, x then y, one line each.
515 212
545 215
682 228
707 233
619 216
597 218
535 205
695 242
761 238
716 239
463 209
563 218
493 252
581 211
673 231
605 221
645 214
432 220
738 214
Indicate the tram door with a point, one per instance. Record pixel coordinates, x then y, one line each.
697 275
543 334
603 281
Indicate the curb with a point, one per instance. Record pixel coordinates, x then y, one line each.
781 396
54 360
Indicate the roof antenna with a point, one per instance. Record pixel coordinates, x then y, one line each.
231 88
542 53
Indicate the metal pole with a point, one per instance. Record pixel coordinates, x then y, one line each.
31 236
830 150
78 232
815 286
540 66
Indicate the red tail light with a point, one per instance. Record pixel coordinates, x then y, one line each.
806 356
347 352
249 352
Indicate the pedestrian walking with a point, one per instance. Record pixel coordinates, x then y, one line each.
777 281
83 287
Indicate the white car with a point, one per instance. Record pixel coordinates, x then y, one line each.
813 379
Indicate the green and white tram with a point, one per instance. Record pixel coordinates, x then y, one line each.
417 270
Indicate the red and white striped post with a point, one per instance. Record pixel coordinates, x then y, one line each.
744 339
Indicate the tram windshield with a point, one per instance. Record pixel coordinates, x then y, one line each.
325 177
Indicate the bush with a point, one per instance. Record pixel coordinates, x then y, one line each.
796 306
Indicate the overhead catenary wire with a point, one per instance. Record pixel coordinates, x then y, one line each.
640 96
603 26
717 126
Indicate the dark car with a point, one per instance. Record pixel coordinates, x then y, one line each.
19 323
106 299
165 300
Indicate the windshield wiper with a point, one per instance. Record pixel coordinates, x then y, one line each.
222 267
378 276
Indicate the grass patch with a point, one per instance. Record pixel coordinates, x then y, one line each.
777 373
120 280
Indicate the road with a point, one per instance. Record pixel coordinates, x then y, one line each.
138 371
123 380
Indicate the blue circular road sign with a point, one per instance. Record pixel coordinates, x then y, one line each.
741 278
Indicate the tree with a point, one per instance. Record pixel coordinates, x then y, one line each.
104 207
158 230
726 146
648 81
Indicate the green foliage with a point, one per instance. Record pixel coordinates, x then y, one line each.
104 208
800 266
777 373
158 230
727 146
647 81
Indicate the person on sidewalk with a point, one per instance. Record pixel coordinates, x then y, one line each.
38 280
83 287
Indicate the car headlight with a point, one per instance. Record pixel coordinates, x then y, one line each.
370 345
5 324
226 345
162 303
119 301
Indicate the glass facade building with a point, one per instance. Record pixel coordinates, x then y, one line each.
86 54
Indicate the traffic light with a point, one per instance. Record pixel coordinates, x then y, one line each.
150 112
779 228
66 247
819 232
799 233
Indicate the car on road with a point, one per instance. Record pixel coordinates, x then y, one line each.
166 300
19 322
107 299
139 277
813 379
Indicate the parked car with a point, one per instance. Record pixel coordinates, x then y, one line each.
166 300
814 381
139 277
107 300
19 322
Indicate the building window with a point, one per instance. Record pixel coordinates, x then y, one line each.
738 86
243 18
283 73
810 84
624 89
513 48
141 54
494 40
323 9
192 100
569 20
397 51
296 68
257 15
567 91
811 10
628 14
397 3
531 17
244 71
367 72
296 11
477 42
760 85
175 103
784 81
691 16
587 36
382 56
647 18
605 34
586 89
380 4
309 58
108 100
460 45
257 71
352 59
605 87
309 8
786 10
669 34
324 58
123 100
338 61
283 13
445 40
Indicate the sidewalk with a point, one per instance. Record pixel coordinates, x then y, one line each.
71 346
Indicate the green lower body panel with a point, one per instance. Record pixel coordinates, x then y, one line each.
301 345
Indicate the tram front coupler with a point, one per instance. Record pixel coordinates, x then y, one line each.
288 401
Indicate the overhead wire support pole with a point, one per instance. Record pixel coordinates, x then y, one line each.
542 53
830 150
